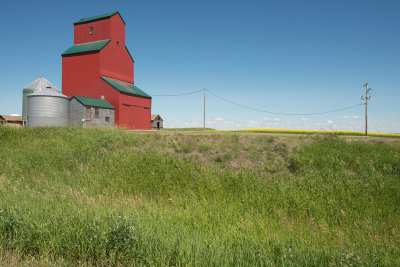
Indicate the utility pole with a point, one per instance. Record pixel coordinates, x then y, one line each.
366 98
204 118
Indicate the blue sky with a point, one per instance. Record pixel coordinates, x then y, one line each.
282 56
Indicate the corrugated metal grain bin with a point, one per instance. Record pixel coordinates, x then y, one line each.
47 108
36 86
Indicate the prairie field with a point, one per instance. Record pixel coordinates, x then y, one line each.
80 196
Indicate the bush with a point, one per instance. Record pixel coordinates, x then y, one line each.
204 147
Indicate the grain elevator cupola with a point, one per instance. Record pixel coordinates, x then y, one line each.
100 65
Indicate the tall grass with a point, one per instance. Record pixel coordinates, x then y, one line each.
102 196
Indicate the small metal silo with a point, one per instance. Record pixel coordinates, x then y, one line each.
47 108
36 86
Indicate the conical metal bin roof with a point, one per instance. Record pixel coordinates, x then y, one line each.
48 92
40 84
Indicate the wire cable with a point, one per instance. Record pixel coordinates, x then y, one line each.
281 113
189 93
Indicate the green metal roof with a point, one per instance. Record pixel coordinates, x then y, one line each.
94 102
124 87
104 16
129 54
86 47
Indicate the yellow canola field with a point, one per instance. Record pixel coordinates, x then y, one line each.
309 132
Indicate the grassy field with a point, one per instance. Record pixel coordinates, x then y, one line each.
113 197
289 131
185 129
321 132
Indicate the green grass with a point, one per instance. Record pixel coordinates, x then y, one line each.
311 132
106 197
186 129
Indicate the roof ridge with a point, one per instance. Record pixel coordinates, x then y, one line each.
99 17
93 102
104 76
94 41
86 47
124 87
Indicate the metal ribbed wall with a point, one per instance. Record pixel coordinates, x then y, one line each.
25 93
33 88
45 110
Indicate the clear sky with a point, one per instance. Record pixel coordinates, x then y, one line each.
281 56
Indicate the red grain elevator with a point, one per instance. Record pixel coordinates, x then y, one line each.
99 65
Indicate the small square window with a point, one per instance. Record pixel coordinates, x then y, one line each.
107 119
97 113
117 43
90 30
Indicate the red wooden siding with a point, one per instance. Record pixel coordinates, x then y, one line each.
101 31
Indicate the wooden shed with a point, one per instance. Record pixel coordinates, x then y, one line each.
13 120
156 122
88 111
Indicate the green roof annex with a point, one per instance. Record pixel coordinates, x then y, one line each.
94 102
86 47
124 87
99 17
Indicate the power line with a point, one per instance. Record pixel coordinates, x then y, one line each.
260 110
281 113
189 93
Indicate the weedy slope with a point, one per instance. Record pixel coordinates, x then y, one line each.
104 196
